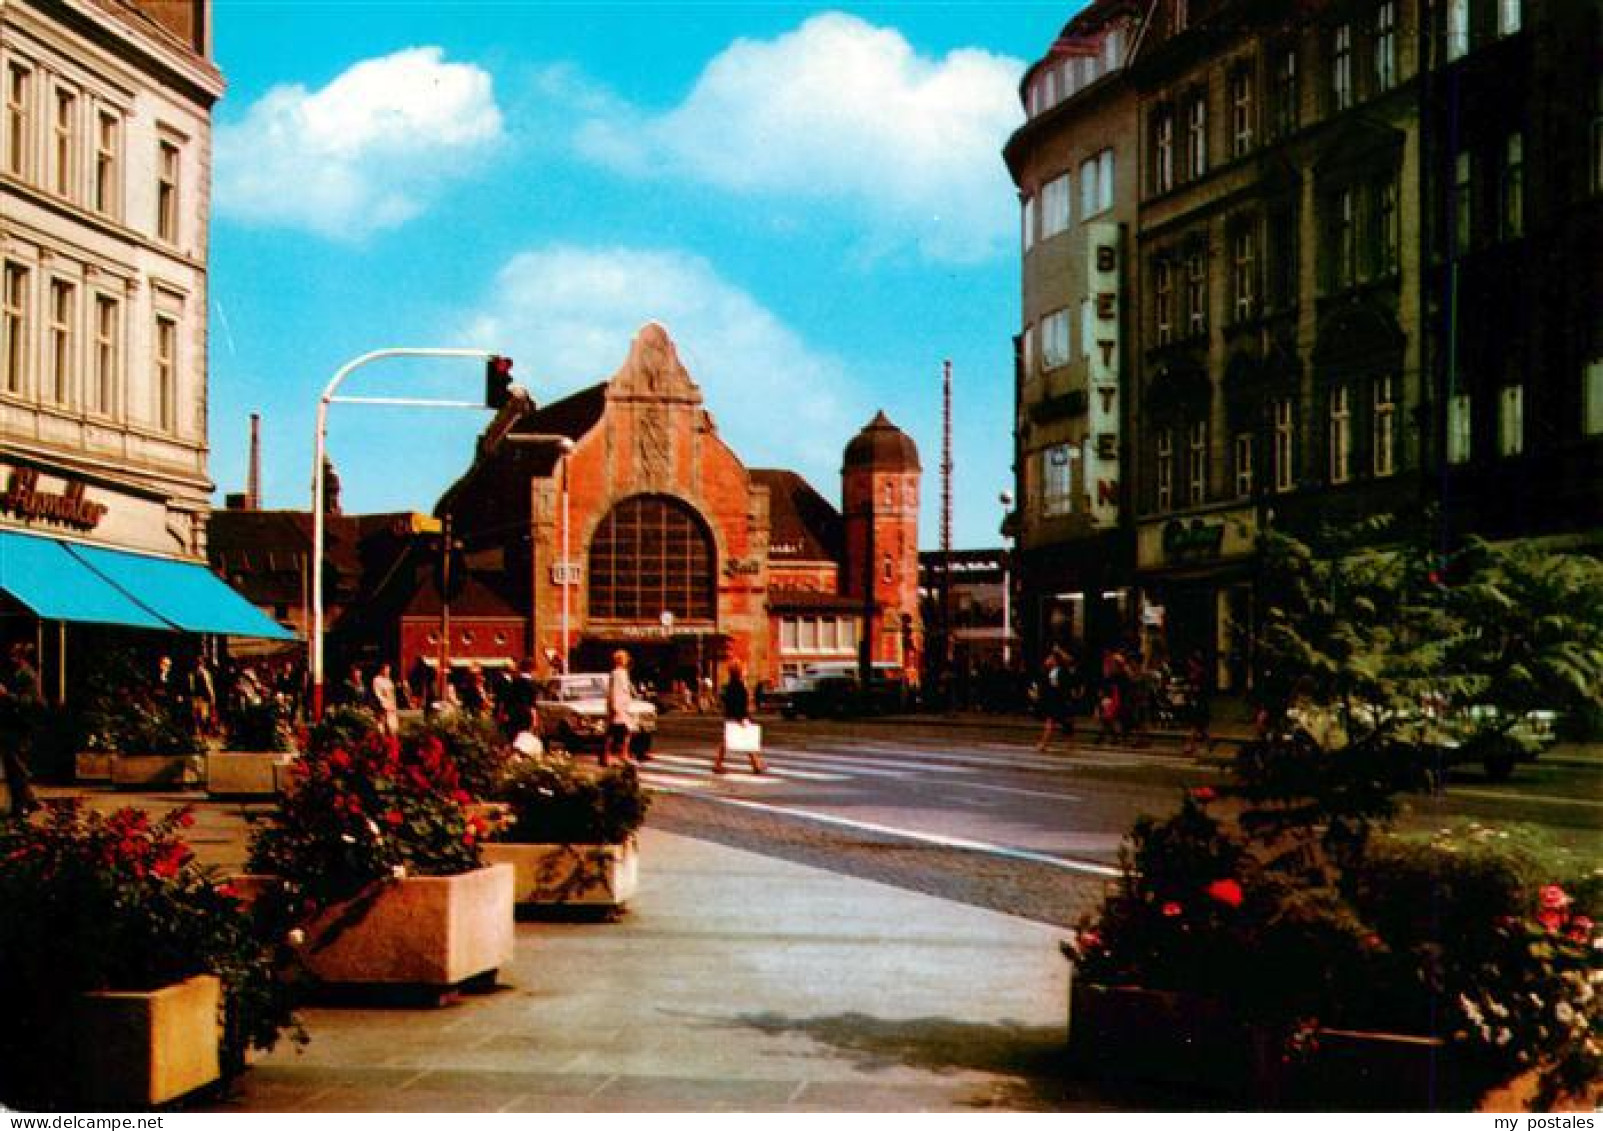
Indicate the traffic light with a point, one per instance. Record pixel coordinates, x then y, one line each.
497 381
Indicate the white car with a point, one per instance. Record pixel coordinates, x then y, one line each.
573 713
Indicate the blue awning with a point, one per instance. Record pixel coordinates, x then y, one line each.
186 595
69 581
43 575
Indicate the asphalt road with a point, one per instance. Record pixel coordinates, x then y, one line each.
968 810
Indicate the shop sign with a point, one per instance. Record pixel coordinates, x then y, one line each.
742 567
1102 347
657 631
566 573
1194 541
70 507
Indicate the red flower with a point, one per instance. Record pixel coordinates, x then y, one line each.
1226 891
1554 898
186 818
394 817
171 860
228 891
1171 909
1580 929
461 796
1551 921
340 760
1204 793
467 837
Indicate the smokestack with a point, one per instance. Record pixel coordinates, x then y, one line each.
253 477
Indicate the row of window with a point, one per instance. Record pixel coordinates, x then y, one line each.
1049 212
65 345
814 635
1475 214
1063 79
71 143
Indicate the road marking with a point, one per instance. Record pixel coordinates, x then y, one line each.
702 766
923 838
1533 798
1014 790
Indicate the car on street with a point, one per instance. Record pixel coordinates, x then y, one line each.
573 713
1476 733
832 691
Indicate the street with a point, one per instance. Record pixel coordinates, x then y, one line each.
965 808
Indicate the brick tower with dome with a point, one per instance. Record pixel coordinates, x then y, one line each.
880 475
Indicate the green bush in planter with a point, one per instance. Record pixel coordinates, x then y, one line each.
553 801
341 728
117 902
473 742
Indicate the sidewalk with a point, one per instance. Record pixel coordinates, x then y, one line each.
736 982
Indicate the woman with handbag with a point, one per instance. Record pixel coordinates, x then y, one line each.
737 713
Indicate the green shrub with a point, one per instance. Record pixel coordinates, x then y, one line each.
553 801
473 742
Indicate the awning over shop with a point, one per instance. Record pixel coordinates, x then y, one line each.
68 581
45 576
186 595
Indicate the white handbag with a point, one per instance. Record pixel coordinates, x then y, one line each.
743 738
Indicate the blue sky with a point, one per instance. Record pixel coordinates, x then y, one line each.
811 199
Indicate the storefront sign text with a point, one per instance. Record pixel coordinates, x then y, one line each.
25 500
1193 541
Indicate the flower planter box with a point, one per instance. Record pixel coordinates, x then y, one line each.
598 877
157 771
232 773
427 931
141 1049
92 766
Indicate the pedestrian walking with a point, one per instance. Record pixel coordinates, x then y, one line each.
737 712
1058 692
384 700
202 697
520 699
21 701
1200 736
620 718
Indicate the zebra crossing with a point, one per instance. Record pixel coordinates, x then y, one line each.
824 761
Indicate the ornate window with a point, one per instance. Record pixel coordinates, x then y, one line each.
652 555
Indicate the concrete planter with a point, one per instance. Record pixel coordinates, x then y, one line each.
157 771
1128 1032
92 766
140 1049
601 877
232 773
425 931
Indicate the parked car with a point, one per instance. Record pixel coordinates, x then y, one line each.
573 713
1468 734
832 691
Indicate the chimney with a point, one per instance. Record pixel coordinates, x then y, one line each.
253 477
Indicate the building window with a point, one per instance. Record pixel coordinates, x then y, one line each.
1243 456
1592 399
1457 29
1163 300
1597 135
168 185
1055 339
1459 436
1508 17
652 555
1165 469
1513 209
787 634
1343 239
61 348
1027 222
1511 420
108 150
1197 135
1163 150
1244 272
1029 350
1386 46
1241 113
14 327
1087 329
19 118
1341 68
1341 435
1096 184
1384 250
166 374
1056 480
65 134
1055 210
108 355
1287 93
1197 463
807 634
1461 201
1383 446
1285 446
1196 292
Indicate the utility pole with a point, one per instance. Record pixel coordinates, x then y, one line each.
442 675
946 516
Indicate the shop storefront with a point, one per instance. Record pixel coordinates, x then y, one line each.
1195 591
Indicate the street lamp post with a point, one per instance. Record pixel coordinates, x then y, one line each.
1006 499
319 446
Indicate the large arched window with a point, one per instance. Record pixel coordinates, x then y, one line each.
652 555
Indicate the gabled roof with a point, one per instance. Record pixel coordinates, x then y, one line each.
803 526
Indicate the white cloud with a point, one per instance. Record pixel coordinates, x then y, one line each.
567 315
367 152
841 110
